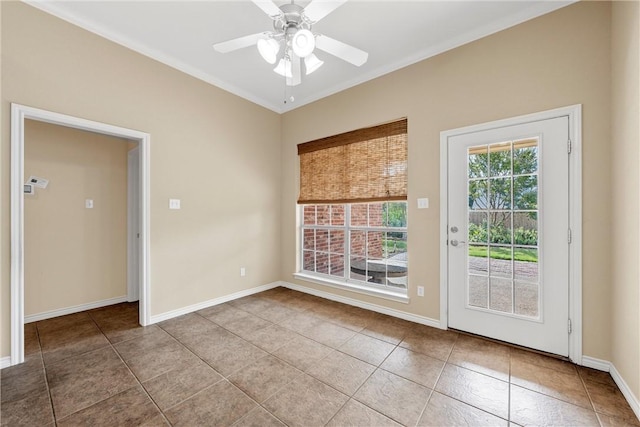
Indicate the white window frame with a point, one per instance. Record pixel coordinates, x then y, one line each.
346 282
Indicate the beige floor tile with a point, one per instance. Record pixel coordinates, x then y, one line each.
531 408
387 328
31 340
253 304
221 404
342 372
306 402
154 354
189 327
120 322
595 376
329 334
355 414
247 325
542 360
368 349
554 383
84 380
177 385
259 417
265 377
69 336
413 366
302 352
223 313
393 396
609 421
483 392
609 400
271 338
481 356
225 352
20 381
430 341
445 411
131 407
32 410
277 313
300 322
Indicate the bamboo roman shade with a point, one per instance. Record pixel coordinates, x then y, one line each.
363 165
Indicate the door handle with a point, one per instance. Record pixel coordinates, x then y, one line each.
456 242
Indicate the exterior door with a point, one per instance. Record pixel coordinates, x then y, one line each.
508 234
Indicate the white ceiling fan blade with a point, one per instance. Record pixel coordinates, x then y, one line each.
268 7
239 43
296 71
318 9
341 50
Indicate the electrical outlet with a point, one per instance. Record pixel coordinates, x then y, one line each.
243 272
420 291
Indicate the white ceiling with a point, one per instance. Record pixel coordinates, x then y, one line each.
394 33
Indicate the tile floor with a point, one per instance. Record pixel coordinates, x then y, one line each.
283 357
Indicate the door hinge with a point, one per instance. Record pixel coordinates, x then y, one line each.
568 146
569 328
569 235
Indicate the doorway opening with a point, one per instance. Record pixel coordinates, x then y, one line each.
139 277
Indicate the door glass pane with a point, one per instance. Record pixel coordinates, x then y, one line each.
500 159
478 227
502 258
500 194
500 262
478 194
500 228
478 292
478 162
478 260
501 295
525 192
526 298
525 156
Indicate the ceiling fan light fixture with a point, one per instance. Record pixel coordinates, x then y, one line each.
268 49
303 43
284 68
312 63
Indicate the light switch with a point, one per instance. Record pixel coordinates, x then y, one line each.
174 203
423 203
88 203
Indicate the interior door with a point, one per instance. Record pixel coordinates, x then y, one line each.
508 241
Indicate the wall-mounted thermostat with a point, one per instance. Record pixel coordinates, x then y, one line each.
28 189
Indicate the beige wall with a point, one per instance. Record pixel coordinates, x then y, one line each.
216 152
556 60
625 231
74 255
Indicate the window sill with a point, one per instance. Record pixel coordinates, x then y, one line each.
339 284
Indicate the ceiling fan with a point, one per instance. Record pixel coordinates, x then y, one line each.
292 39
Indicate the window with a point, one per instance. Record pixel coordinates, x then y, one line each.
353 192
360 243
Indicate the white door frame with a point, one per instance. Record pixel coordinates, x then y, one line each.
133 223
19 113
574 113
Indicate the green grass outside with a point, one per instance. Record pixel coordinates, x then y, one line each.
519 254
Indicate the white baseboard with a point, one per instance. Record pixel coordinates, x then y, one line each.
599 364
199 306
357 303
75 309
604 365
5 362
